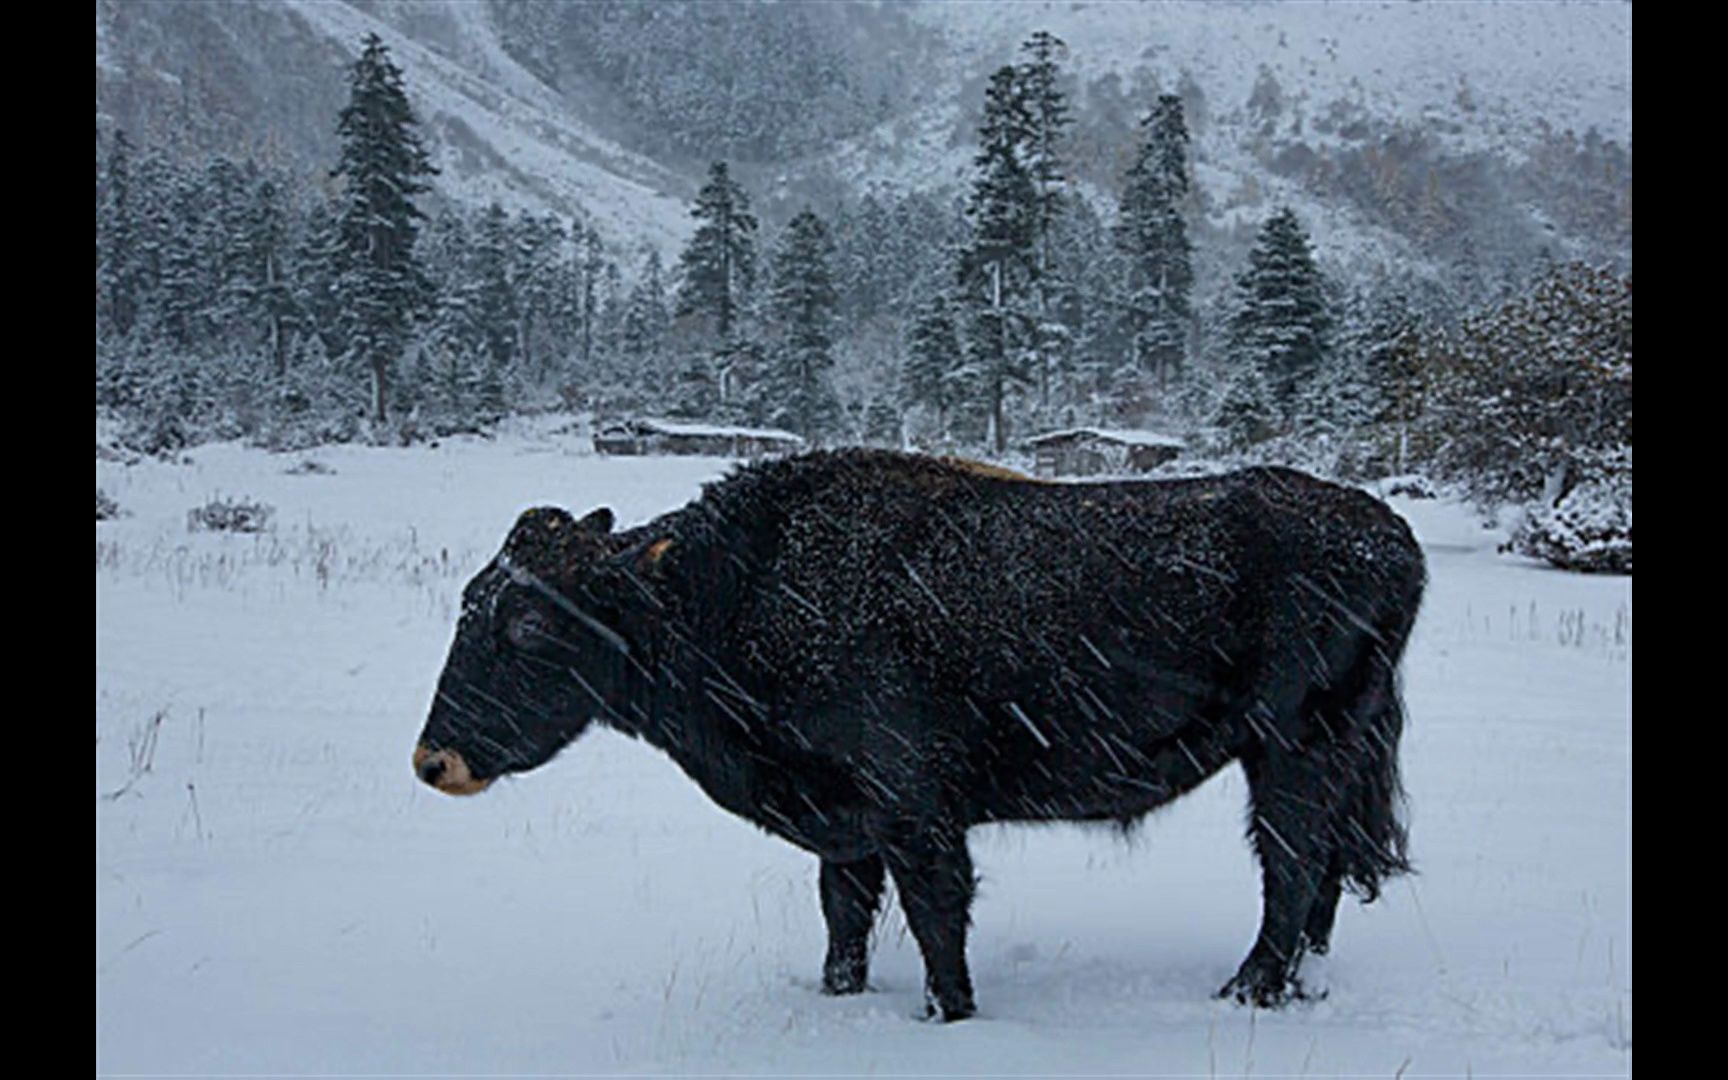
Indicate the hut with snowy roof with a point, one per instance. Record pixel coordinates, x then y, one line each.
1091 451
644 436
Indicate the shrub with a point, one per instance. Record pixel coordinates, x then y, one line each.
1590 529
106 507
229 515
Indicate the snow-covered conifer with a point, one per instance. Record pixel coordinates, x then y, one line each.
384 164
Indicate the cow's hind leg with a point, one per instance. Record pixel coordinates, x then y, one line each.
1317 936
933 873
1291 814
851 894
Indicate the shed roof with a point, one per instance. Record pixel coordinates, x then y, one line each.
1121 436
653 426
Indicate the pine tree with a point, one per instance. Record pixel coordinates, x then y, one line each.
645 313
272 298
998 267
119 272
612 300
224 241
1153 235
380 286
539 247
695 390
183 277
646 322
1090 309
933 361
865 259
494 294
316 262
801 304
590 267
718 268
1283 324
1246 414
1048 116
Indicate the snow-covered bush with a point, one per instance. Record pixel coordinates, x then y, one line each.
106 507
1590 529
229 515
310 467
1526 395
1409 485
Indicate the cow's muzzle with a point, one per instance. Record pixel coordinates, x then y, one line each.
447 771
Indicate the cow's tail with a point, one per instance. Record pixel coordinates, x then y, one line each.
1372 841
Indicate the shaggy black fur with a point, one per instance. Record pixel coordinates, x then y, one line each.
867 653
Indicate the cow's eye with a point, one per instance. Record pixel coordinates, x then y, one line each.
528 629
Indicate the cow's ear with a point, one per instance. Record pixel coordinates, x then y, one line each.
598 522
542 523
547 541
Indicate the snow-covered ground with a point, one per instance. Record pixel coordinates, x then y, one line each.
275 892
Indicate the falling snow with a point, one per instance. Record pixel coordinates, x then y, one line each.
276 892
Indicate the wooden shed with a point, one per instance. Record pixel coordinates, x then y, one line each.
1093 451
644 436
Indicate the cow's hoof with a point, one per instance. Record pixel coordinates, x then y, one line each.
839 983
958 1008
844 968
1265 987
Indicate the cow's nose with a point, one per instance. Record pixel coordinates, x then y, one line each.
447 771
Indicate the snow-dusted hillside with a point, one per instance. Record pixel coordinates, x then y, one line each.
1494 71
1478 78
1481 78
496 131
277 893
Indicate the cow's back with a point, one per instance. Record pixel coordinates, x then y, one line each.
895 564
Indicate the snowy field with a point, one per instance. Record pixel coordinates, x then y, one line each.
275 892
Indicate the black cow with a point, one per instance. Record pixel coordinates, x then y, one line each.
866 653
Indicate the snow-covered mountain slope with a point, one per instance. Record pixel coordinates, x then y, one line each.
1270 88
1283 99
1497 72
257 73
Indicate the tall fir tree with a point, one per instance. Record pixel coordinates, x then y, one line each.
718 268
380 286
495 293
801 302
183 278
1152 234
119 274
271 308
998 267
590 268
646 321
540 248
224 254
1048 117
1283 325
933 364
316 264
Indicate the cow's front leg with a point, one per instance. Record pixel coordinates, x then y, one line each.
851 893
933 872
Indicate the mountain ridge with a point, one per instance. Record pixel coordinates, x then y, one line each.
1278 95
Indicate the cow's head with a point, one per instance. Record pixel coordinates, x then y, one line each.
540 651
